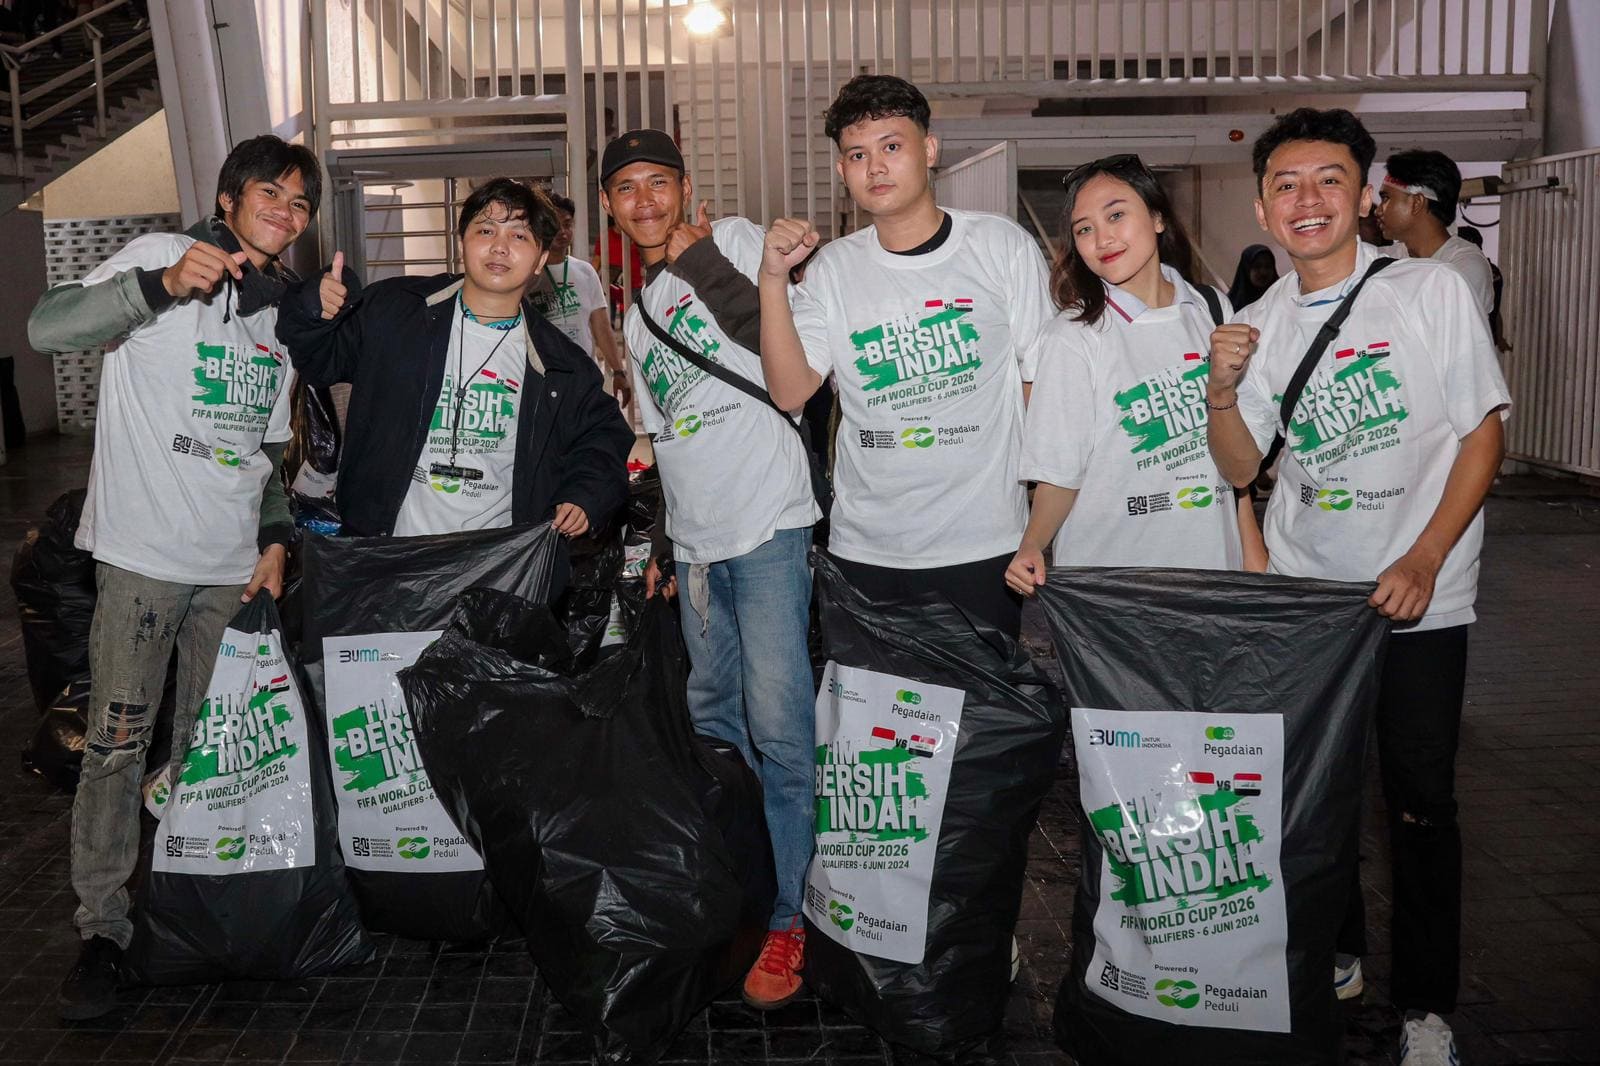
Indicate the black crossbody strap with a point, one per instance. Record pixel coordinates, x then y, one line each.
1319 344
1213 303
716 370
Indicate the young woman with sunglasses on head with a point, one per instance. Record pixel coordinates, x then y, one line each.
1115 433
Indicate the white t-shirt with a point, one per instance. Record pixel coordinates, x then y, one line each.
1468 260
930 352
186 401
494 362
566 294
732 472
1379 425
1118 413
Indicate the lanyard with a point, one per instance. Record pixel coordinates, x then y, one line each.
461 382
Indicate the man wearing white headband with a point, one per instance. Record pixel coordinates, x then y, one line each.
1416 202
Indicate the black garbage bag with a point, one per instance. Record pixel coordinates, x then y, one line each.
632 853
245 877
312 458
937 741
54 585
1219 722
587 607
371 604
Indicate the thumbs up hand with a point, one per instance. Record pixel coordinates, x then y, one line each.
332 290
686 233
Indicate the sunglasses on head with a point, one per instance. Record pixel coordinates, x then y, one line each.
1122 163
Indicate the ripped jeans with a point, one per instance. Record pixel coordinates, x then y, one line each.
136 621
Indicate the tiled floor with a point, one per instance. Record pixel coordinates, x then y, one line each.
1530 762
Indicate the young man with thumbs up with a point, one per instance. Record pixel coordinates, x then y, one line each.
469 410
185 512
739 506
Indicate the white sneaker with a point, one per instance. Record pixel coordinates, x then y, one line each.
1016 959
1347 982
1428 1041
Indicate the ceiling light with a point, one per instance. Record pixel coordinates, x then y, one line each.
705 19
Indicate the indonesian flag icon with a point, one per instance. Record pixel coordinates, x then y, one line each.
1344 353
1192 357
1247 784
882 738
933 303
1202 777
924 746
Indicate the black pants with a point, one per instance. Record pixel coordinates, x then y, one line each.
1419 725
978 587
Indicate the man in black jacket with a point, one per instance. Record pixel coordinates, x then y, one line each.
468 410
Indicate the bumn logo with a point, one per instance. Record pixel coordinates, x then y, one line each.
1333 500
1114 738
367 655
230 848
1194 497
1182 994
916 437
412 847
840 914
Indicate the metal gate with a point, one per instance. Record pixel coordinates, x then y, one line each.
983 182
1550 254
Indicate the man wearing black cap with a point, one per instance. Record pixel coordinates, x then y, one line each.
739 506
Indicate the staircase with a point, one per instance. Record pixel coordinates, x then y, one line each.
57 99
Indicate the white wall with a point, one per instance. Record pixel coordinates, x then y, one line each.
1572 117
130 176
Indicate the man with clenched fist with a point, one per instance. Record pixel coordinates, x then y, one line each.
468 409
1392 440
185 512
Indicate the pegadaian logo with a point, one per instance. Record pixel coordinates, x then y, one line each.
905 695
229 849
412 847
1333 499
1181 994
916 437
1219 732
225 457
446 485
840 914
687 426
1194 497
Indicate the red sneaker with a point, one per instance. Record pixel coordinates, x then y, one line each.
775 978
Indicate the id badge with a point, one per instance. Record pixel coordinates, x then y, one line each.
464 473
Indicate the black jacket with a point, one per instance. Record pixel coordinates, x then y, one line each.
391 341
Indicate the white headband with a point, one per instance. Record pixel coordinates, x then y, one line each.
1414 190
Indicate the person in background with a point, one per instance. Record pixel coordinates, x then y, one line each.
1417 204
1257 270
186 514
569 295
1470 233
1384 485
1130 323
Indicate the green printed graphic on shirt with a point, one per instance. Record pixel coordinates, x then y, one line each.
245 379
1343 411
1157 870
668 375
1166 411
941 343
488 410
230 738
558 302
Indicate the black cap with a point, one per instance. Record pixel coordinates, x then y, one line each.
639 146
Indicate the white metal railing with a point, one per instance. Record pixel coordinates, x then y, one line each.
90 78
1550 255
415 71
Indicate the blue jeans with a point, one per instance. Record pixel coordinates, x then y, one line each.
750 685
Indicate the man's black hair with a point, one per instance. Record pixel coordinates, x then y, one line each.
875 96
563 203
526 202
1435 172
267 158
1336 126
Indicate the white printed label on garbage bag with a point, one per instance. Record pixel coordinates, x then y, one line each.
1188 809
389 817
242 801
884 749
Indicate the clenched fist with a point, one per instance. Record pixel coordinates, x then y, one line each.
685 234
199 270
1231 348
332 290
789 241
